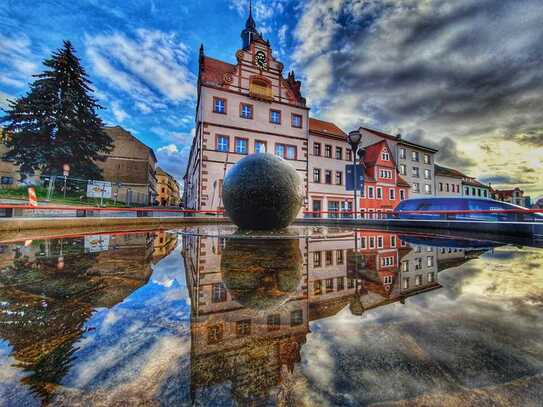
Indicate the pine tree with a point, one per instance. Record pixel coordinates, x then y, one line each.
56 123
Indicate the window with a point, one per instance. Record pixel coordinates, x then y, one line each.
427 159
274 322
349 155
328 257
427 188
339 153
380 242
246 111
485 194
291 153
296 120
317 259
379 193
402 153
280 150
6 180
392 241
218 293
441 186
405 283
430 277
317 287
415 172
223 143
405 265
296 317
328 151
428 174
219 105
240 145
340 283
275 116
429 261
329 282
416 187
327 177
387 262
372 242
403 169
387 280
163 190
466 191
392 194
418 262
339 256
317 149
316 175
385 156
402 195
418 279
286 151
414 156
339 178
243 328
260 146
214 334
370 192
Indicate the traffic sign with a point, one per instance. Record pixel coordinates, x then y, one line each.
349 177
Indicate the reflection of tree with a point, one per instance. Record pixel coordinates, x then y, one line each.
45 307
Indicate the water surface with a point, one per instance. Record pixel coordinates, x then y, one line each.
322 319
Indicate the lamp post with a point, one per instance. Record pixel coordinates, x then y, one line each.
353 139
65 172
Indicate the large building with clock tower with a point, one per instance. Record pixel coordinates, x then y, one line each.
244 108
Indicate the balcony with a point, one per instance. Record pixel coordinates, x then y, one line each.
260 91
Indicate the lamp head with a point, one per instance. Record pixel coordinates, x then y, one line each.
354 138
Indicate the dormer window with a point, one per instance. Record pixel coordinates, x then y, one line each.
385 156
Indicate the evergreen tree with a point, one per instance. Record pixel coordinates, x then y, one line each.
56 123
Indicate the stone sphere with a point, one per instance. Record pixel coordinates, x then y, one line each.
262 191
261 274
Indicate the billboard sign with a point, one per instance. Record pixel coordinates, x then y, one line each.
96 243
99 189
350 182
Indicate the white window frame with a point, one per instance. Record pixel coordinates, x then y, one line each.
392 194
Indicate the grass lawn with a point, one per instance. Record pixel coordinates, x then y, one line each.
58 198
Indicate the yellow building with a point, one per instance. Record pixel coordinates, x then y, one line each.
167 189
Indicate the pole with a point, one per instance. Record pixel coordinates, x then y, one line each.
65 179
354 150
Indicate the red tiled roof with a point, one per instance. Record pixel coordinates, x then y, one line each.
449 172
402 182
372 152
506 192
326 128
213 70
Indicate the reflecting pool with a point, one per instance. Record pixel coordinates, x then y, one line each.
326 316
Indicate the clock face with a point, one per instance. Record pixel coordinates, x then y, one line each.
260 59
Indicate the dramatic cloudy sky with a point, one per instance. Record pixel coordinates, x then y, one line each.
464 75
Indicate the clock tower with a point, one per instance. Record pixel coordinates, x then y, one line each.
249 33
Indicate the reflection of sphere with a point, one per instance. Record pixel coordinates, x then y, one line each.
262 191
261 274
538 203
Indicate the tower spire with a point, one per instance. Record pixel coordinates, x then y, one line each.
249 33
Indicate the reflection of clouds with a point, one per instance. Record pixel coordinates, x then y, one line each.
483 328
138 348
12 391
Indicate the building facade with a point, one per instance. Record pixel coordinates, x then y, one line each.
415 162
514 196
243 108
167 187
130 167
448 181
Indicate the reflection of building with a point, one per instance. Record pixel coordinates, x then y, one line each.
167 189
244 347
163 245
132 165
243 108
49 289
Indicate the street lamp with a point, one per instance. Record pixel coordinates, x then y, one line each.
353 139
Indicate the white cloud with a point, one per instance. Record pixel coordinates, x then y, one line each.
16 60
118 112
150 66
170 149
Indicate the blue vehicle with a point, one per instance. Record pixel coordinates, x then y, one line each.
462 204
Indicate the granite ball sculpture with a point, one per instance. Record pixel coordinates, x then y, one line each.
261 274
262 192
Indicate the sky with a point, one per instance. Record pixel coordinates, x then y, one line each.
464 76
